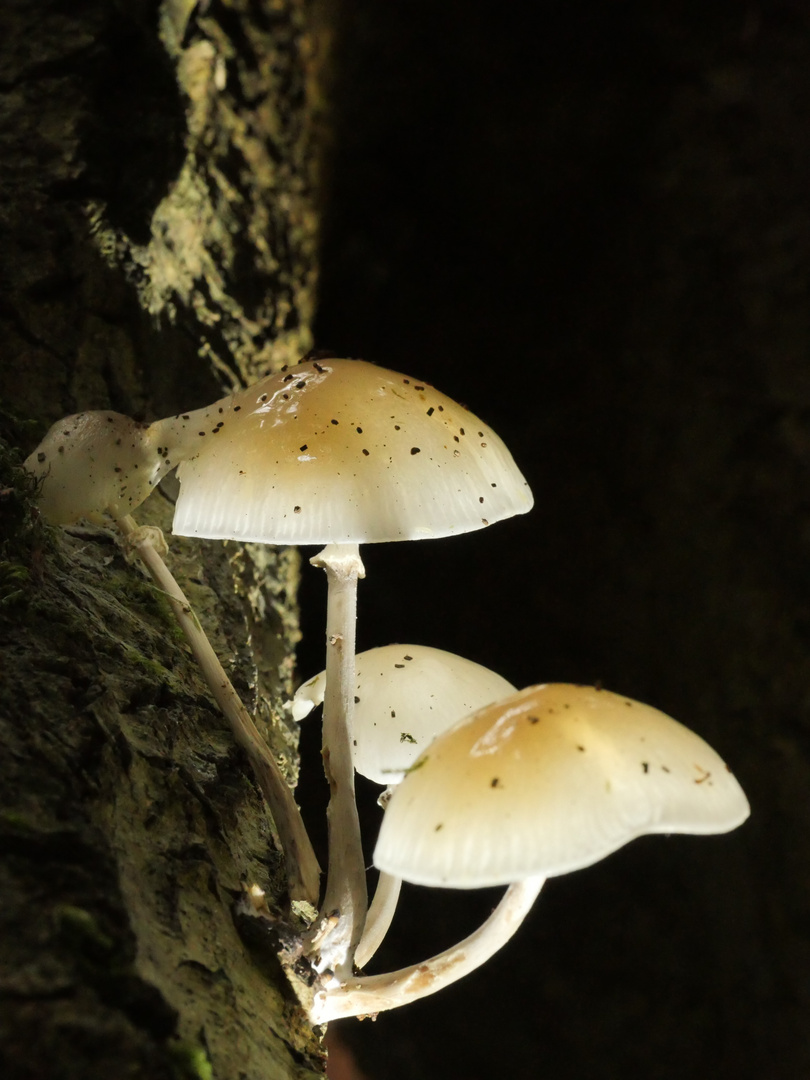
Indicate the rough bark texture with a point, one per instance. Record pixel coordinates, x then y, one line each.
157 241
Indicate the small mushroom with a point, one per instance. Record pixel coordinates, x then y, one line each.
576 771
544 782
96 463
340 452
405 696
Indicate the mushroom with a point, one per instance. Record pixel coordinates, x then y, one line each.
405 696
100 462
340 452
547 781
94 462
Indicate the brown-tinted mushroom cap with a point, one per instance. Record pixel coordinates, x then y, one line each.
547 781
92 462
341 451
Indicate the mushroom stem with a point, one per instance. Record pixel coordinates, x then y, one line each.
365 996
303 872
380 913
346 898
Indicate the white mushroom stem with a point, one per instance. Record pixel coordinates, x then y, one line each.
346 898
303 872
367 995
380 914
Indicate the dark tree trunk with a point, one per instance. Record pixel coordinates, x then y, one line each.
157 242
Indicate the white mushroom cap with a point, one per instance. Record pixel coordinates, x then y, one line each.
548 781
341 451
406 695
92 462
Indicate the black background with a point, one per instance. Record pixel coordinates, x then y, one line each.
590 222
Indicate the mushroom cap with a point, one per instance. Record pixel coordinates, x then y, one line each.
547 781
341 451
92 462
406 696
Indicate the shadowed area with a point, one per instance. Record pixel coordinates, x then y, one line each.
590 223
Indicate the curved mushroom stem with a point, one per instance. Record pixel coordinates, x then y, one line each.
380 913
365 996
303 872
343 911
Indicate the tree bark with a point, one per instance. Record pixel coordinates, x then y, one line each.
158 243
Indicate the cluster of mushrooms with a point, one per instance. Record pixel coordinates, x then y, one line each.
484 785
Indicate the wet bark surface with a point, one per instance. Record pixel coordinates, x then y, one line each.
589 222
157 246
